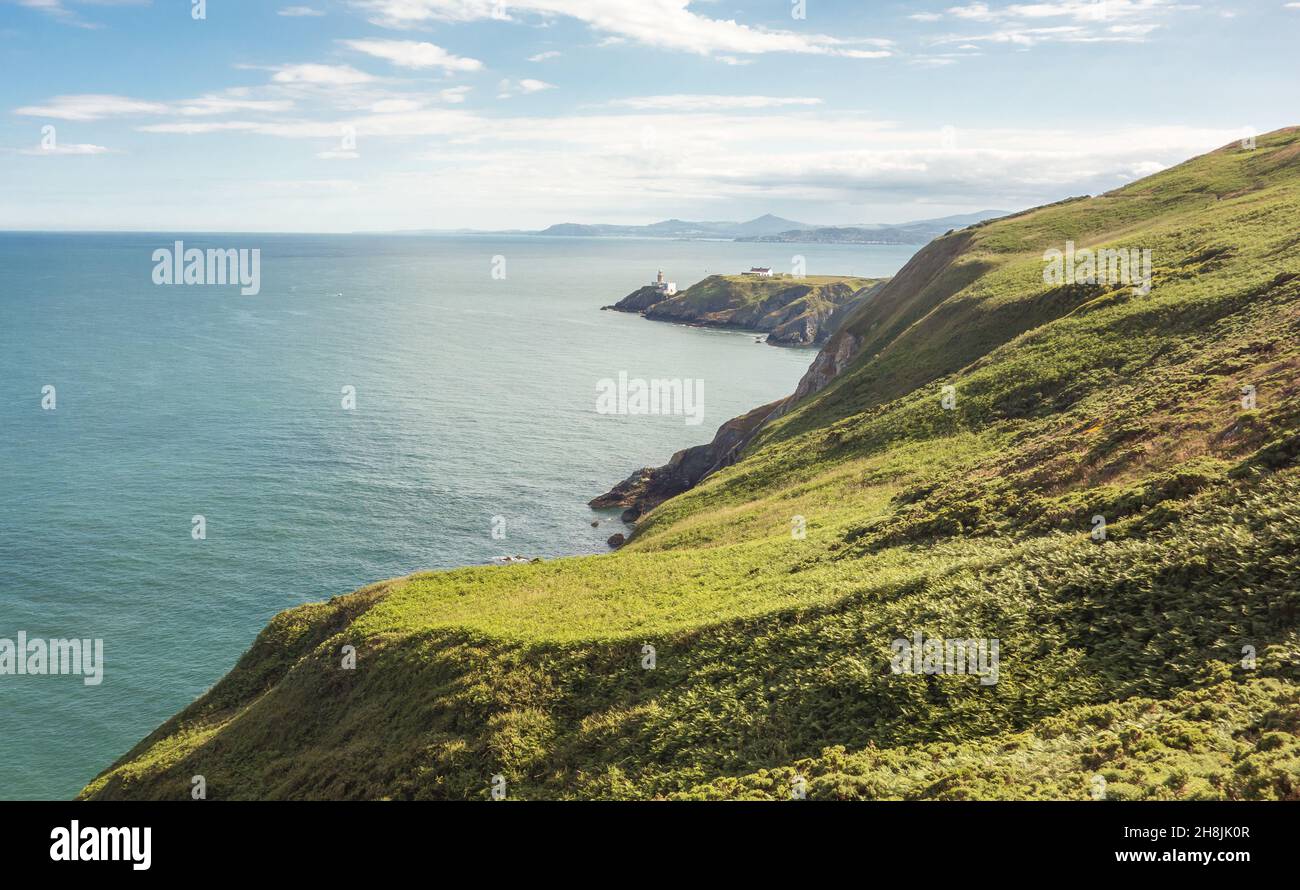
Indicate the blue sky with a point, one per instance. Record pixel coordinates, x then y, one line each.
348 115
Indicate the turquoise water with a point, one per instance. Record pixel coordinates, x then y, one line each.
475 399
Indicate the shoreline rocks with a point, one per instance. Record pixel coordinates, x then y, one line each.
640 300
649 487
513 560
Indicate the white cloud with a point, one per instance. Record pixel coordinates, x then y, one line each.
382 124
980 12
527 85
1075 10
564 164
323 75
209 127
91 106
210 105
502 164
313 186
1081 21
492 169
299 11
693 102
398 104
1027 37
395 106
596 167
73 148
542 57
414 54
666 24
57 10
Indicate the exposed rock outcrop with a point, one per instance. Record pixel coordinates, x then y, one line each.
817 323
639 300
649 487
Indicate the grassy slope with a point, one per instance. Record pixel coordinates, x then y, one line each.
1121 658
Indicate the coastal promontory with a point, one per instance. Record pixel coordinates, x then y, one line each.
792 311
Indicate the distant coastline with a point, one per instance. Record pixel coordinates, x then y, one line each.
763 229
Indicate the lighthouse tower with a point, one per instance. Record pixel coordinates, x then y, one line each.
667 288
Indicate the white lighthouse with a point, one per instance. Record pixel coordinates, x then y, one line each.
665 287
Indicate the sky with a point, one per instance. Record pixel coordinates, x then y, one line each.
381 115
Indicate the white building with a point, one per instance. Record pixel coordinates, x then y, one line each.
665 287
760 271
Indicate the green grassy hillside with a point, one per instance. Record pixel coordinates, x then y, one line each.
1161 660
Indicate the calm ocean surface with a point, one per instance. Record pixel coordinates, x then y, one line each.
475 399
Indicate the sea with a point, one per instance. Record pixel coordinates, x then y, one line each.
182 461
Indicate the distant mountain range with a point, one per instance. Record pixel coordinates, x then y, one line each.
919 232
775 229
765 228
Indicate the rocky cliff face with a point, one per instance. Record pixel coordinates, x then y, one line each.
649 487
873 312
894 306
817 323
639 300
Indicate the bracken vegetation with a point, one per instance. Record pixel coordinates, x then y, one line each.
1159 662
